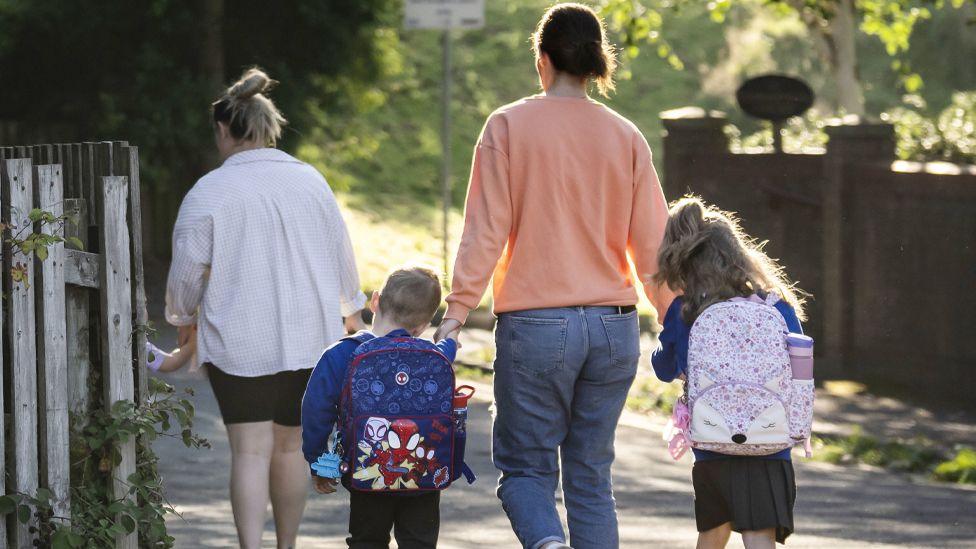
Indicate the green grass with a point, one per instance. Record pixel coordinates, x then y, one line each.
960 469
914 456
387 234
475 374
648 395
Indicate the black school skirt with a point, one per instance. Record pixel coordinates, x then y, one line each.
751 493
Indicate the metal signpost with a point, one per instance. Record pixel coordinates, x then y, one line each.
445 15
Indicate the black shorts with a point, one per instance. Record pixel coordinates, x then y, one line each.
276 397
751 493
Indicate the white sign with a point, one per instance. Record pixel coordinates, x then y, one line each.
444 14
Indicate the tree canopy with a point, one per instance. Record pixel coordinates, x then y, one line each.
832 23
146 72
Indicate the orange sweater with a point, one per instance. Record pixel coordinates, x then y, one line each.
561 190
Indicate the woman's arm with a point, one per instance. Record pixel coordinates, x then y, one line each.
192 253
351 296
648 218
487 224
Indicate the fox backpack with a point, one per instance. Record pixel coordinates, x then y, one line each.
741 393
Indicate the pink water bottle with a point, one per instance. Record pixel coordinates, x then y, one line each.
800 348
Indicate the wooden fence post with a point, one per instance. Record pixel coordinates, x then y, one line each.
3 416
77 315
863 143
116 315
23 359
52 351
127 159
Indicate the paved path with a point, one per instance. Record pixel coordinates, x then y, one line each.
838 507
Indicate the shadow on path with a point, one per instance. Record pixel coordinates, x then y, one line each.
837 506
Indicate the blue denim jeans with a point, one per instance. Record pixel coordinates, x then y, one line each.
561 380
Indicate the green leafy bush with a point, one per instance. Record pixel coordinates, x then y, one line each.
650 395
915 456
97 517
920 135
961 468
949 135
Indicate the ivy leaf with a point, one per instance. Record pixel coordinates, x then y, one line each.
76 540
35 215
128 523
23 513
41 253
60 539
43 495
76 242
7 505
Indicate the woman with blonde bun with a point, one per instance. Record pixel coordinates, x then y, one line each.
263 267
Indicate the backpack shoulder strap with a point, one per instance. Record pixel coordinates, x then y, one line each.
359 337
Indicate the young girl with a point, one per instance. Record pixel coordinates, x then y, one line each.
708 258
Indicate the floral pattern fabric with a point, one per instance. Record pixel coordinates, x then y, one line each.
742 398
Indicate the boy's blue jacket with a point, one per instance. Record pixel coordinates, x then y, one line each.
320 405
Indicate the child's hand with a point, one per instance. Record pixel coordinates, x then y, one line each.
448 327
325 485
453 336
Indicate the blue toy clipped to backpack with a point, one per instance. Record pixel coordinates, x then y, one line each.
397 422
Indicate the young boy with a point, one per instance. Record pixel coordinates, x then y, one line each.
404 308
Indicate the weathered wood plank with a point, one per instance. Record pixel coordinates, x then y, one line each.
52 352
116 315
77 308
23 360
78 172
81 269
3 418
128 164
87 181
104 163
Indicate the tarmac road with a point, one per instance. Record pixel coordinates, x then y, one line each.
837 507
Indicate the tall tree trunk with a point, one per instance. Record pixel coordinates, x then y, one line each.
212 56
836 40
843 58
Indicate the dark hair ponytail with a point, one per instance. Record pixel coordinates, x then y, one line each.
573 37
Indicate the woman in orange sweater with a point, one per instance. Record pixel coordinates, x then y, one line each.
562 193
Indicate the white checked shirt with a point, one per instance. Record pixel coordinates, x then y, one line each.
261 248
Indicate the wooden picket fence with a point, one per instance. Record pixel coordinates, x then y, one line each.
73 312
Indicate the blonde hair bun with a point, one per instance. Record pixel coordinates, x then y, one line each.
249 114
252 82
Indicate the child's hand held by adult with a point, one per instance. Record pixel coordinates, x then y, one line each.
354 323
449 328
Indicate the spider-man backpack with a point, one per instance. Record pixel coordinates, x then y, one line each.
397 422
